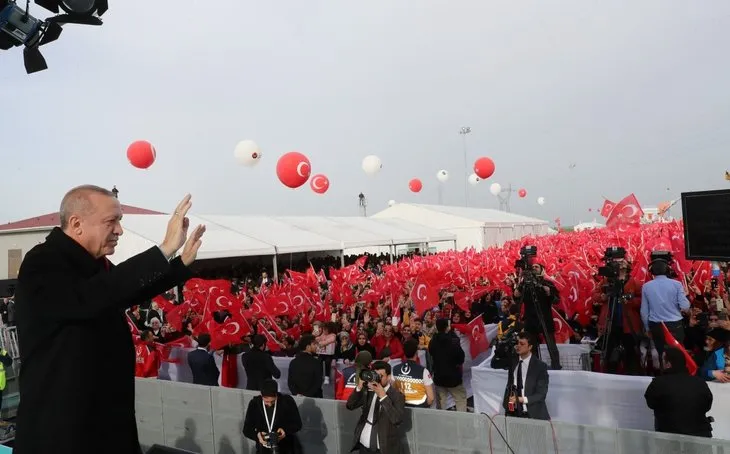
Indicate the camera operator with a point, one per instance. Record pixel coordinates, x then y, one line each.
383 407
663 300
538 295
272 421
619 318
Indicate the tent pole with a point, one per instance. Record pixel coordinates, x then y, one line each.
391 252
276 265
342 258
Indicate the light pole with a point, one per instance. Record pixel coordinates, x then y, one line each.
464 131
504 195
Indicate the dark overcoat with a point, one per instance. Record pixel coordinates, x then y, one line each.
77 354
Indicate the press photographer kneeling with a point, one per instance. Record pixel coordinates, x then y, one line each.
272 421
383 406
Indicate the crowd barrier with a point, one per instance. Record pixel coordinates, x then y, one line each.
209 420
611 401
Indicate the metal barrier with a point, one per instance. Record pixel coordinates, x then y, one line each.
210 420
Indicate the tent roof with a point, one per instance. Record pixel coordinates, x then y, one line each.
241 236
464 215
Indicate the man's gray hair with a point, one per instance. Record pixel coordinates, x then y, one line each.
76 201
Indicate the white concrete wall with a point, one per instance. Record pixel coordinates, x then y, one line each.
24 240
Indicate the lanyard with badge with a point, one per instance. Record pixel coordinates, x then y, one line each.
269 425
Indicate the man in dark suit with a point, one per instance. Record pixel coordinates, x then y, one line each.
527 383
259 364
273 412
383 406
77 355
680 401
202 363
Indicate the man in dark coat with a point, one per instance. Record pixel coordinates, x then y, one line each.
202 364
680 401
258 364
527 382
273 412
305 370
448 361
77 355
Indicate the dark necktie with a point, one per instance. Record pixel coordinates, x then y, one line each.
519 379
374 429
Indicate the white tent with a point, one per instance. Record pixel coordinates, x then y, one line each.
588 226
473 227
246 236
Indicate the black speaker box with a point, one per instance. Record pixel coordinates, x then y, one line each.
157 449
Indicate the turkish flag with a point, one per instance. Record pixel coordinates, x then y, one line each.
563 331
477 333
424 296
229 371
228 333
627 212
672 342
607 208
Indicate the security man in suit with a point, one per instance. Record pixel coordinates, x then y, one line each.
527 383
383 406
202 363
413 380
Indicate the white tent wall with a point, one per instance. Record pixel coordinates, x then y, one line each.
474 227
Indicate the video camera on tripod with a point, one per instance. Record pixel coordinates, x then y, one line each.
523 264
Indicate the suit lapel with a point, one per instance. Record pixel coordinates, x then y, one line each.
530 378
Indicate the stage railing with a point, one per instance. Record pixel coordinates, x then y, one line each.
209 421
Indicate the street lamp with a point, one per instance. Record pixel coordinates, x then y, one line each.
464 131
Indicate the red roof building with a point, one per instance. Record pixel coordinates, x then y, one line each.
53 219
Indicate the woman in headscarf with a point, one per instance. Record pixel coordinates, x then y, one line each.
362 344
345 349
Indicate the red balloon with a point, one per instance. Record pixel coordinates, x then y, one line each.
293 169
415 185
522 192
319 183
141 154
484 167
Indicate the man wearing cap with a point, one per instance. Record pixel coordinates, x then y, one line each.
713 369
273 413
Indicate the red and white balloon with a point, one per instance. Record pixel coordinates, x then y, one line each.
415 185
319 183
141 154
293 169
484 167
522 193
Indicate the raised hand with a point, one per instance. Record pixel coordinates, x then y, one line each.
177 228
190 251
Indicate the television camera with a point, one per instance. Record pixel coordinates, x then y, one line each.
19 28
272 441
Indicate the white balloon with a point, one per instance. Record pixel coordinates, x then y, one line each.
495 188
247 153
391 203
371 165
442 176
474 179
541 200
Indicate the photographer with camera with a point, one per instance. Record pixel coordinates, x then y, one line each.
619 320
383 406
272 421
537 295
663 301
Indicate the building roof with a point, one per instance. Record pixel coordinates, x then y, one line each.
53 219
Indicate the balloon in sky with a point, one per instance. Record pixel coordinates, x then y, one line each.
442 176
141 154
371 165
319 183
415 185
391 202
474 179
293 169
522 193
247 153
484 167
541 201
495 188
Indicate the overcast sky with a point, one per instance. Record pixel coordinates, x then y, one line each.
634 93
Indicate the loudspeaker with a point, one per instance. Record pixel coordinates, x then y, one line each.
157 449
706 216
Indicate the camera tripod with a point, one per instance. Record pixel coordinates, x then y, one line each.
529 292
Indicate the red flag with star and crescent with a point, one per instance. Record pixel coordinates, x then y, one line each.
424 296
477 333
